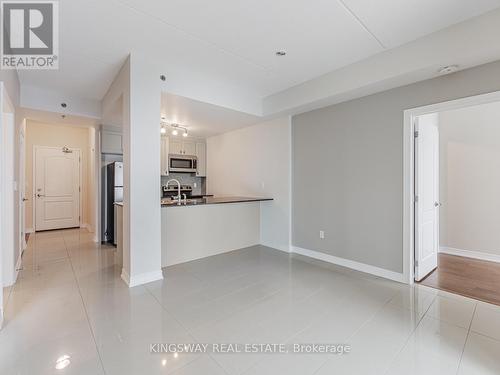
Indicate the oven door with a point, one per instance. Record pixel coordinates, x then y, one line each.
181 164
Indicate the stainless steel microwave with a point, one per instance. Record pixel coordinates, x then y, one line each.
182 163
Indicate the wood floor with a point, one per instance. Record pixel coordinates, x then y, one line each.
468 277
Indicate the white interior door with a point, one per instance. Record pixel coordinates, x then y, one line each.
57 188
427 194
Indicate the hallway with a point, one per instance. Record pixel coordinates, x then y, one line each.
70 310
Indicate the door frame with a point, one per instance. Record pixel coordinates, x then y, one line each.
22 187
409 169
33 182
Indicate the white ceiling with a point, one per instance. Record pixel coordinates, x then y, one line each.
57 119
219 56
202 119
395 22
226 48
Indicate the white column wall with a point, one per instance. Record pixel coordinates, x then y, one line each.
141 178
137 85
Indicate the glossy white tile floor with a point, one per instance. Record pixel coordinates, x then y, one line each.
69 300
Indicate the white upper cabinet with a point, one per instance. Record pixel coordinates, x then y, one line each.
176 147
182 147
164 155
111 142
189 147
201 155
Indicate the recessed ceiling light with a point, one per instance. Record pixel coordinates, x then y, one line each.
163 130
175 132
280 53
448 69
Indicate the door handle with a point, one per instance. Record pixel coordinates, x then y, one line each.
25 199
40 195
437 204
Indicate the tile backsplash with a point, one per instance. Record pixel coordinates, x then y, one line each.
187 179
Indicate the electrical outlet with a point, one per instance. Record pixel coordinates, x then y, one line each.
195 185
262 185
322 234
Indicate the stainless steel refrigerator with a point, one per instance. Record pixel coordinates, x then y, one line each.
114 177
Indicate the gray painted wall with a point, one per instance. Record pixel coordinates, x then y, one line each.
347 166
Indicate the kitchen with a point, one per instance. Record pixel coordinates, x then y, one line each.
195 223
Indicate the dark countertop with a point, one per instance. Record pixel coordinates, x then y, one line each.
213 200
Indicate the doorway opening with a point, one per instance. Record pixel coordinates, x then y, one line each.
452 206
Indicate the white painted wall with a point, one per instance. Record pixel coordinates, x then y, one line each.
137 85
9 86
470 179
142 141
255 161
93 177
10 237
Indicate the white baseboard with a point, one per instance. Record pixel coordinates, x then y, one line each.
29 230
86 226
470 254
141 279
283 248
15 272
362 267
19 264
125 277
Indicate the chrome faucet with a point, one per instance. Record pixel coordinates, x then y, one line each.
178 190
